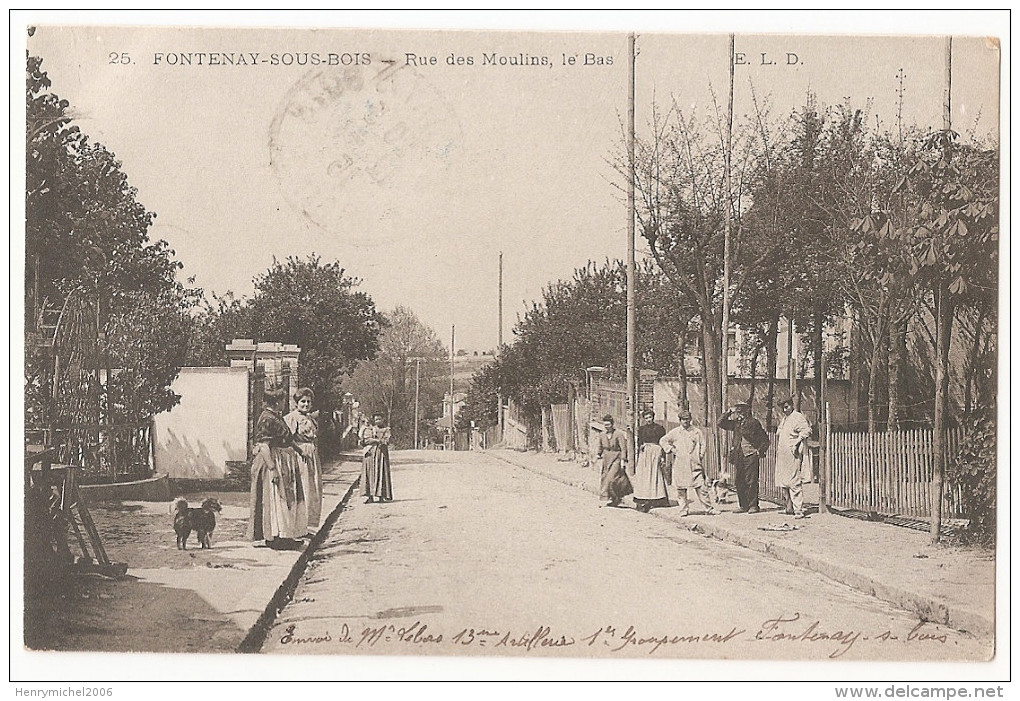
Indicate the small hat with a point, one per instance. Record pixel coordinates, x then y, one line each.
742 406
608 417
786 402
274 392
684 414
648 412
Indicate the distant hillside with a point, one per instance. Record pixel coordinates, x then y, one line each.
464 366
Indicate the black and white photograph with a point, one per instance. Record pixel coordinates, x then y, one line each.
356 348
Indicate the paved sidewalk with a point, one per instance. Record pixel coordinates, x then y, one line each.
943 584
338 481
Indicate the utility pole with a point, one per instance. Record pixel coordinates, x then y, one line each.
499 342
631 311
417 382
721 437
791 363
727 235
943 320
453 336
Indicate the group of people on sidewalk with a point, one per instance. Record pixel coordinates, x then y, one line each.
285 504
678 457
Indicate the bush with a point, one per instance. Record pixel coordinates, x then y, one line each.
974 469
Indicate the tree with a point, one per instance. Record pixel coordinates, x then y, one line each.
215 322
112 354
581 323
951 231
482 403
684 202
409 351
317 306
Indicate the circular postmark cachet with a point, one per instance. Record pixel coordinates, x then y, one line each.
348 138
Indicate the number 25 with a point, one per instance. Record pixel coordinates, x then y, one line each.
119 58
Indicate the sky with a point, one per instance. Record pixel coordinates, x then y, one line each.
415 176
243 164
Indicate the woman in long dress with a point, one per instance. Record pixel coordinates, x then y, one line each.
614 449
648 481
277 507
376 481
304 425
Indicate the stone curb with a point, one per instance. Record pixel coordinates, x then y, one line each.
925 607
256 636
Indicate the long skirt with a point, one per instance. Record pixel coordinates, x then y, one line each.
615 483
648 480
376 481
311 479
278 510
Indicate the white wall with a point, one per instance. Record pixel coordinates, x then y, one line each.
196 438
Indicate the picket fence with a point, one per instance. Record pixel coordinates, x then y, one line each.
889 472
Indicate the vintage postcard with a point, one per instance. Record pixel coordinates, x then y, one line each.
347 348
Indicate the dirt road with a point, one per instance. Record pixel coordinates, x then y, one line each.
482 558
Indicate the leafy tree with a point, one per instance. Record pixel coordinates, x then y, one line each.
482 403
215 322
683 198
409 351
786 219
974 470
581 323
319 307
118 344
951 232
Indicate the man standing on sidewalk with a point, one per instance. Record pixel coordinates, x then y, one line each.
687 445
791 436
749 443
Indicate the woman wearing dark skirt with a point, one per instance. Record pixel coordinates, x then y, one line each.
376 481
277 504
614 449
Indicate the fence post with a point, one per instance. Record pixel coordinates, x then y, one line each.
823 462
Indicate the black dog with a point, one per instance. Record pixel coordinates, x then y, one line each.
202 521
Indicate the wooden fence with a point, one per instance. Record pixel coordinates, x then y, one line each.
515 434
888 472
767 488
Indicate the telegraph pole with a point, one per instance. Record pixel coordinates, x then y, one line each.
417 383
631 311
943 321
499 342
724 369
727 235
453 335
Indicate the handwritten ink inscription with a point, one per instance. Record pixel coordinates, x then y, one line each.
785 629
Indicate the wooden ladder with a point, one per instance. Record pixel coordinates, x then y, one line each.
73 504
